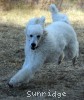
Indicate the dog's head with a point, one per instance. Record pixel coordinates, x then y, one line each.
35 32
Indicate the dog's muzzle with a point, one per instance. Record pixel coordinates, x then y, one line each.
33 46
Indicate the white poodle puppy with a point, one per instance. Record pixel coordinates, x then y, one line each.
53 42
56 16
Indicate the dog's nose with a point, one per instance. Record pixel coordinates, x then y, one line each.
33 44
10 85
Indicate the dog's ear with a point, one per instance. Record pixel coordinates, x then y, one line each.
37 21
42 21
44 35
45 32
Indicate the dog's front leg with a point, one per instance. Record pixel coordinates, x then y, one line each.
26 72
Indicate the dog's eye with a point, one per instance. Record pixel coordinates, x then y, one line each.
38 36
31 35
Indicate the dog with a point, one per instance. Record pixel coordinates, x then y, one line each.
53 42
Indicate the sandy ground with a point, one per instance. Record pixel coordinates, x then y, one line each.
63 82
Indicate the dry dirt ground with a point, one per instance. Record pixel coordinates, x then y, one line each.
52 79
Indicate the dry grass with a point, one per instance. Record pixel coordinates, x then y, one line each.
21 16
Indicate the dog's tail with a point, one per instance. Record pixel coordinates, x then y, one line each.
53 9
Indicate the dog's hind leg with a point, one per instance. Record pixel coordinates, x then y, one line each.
74 60
61 57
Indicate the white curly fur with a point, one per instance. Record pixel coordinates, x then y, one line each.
56 15
56 39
